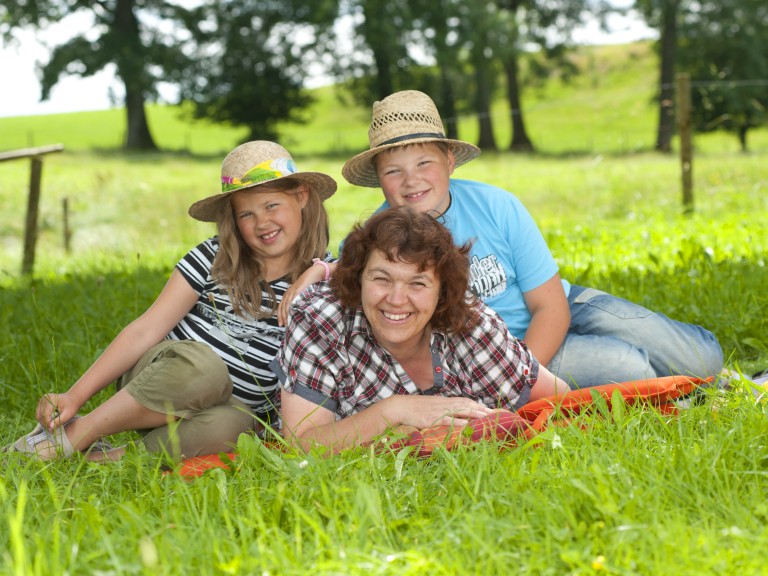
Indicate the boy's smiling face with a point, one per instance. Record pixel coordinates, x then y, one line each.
416 175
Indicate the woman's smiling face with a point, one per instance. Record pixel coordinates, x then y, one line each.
398 300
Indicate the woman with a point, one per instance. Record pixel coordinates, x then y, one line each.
396 339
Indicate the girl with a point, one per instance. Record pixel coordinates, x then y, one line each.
193 369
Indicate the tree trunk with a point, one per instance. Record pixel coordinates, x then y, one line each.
519 140
668 48
743 137
137 135
375 15
446 62
130 69
486 140
448 105
383 81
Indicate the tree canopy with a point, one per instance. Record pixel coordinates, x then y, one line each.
251 61
724 48
245 62
143 39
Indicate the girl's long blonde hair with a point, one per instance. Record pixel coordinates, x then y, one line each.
241 272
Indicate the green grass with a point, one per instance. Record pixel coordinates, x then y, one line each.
639 494
627 492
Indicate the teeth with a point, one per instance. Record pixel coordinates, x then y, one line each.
270 235
416 195
395 316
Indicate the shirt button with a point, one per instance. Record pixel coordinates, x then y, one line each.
438 369
526 371
293 373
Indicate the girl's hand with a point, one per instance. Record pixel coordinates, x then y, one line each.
56 409
428 411
310 276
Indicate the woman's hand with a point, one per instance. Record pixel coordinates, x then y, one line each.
428 411
307 424
53 410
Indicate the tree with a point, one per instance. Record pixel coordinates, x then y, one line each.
724 48
251 61
663 15
541 29
479 25
131 34
438 24
378 62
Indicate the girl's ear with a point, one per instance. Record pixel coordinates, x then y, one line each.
302 195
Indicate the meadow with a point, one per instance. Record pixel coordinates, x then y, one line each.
625 491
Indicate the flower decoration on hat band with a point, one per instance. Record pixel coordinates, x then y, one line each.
263 172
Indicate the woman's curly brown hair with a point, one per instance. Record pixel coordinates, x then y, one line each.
402 234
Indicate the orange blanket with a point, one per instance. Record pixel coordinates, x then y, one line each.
512 426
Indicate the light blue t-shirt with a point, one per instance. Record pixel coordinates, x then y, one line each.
509 255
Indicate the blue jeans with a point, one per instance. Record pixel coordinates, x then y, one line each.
614 340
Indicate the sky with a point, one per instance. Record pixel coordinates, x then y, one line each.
20 92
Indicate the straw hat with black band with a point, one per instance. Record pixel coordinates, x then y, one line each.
402 118
255 163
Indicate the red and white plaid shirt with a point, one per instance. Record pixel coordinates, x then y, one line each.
330 357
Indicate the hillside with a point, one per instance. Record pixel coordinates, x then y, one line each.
608 107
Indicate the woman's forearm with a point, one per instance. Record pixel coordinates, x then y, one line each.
317 426
339 434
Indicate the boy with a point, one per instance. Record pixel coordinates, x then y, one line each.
585 336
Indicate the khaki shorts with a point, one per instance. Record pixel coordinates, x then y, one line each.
188 381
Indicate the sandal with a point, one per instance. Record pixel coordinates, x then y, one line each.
99 446
27 444
761 377
59 443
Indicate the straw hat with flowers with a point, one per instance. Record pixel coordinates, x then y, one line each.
407 117
253 164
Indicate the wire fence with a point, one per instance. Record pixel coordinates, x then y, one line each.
596 121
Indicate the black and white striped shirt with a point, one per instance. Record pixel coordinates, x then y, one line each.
246 345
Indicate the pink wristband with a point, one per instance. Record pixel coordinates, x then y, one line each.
324 264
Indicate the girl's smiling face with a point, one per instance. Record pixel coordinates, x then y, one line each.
270 224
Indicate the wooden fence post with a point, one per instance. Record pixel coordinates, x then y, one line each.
33 203
33 200
67 230
686 148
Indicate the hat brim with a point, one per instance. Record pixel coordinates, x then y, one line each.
208 209
360 170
